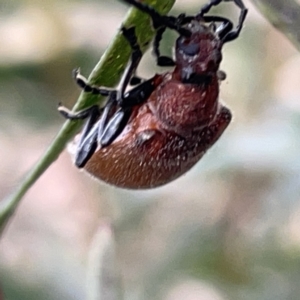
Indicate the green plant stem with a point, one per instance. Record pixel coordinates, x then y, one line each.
107 73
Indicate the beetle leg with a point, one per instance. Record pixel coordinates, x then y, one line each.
95 90
80 115
139 94
87 148
108 111
162 61
115 126
104 131
88 139
136 56
111 129
93 128
96 128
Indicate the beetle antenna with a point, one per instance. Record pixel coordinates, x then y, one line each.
83 84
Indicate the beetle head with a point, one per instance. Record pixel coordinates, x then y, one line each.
200 53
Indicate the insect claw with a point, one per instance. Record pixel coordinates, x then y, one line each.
65 112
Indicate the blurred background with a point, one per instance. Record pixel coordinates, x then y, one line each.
228 229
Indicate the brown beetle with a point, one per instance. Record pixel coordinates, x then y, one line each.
158 130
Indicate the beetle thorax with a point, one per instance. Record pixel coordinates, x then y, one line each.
184 108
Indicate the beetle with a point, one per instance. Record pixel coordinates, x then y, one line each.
158 130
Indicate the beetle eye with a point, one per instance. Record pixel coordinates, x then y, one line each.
189 49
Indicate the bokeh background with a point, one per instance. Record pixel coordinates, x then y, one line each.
228 229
